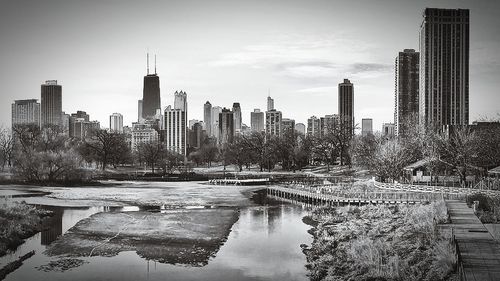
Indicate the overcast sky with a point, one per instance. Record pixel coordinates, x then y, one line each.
229 51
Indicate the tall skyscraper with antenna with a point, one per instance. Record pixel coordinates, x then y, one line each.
151 93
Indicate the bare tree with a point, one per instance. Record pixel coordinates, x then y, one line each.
6 147
105 147
459 151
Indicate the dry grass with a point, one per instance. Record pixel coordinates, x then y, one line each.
17 222
381 243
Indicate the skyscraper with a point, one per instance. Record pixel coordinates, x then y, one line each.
287 125
51 103
180 101
175 124
273 123
26 112
444 67
328 124
216 110
151 93
313 126
406 92
207 117
237 117
346 104
175 130
226 126
116 123
366 127
270 103
257 120
139 111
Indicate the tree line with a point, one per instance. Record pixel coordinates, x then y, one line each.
460 151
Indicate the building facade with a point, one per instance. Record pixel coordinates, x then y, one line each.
51 103
444 67
346 104
237 117
406 94
207 117
388 130
287 125
313 126
176 130
226 127
328 124
142 133
116 123
26 112
216 111
270 103
366 127
273 123
257 120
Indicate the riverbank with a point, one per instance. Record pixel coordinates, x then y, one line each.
18 221
400 242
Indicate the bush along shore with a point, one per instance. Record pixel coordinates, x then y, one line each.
400 242
18 221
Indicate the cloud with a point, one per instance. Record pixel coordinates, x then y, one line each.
308 58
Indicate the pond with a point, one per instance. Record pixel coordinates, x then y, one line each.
263 244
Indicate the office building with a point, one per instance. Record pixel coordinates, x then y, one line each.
366 127
273 123
116 123
51 103
287 125
207 117
142 133
313 126
328 124
139 111
388 130
407 89
151 93
72 119
270 103
176 130
444 67
26 112
216 111
346 105
237 117
226 127
257 120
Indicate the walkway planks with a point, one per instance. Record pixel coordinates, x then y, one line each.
478 251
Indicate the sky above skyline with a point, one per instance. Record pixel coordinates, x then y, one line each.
228 51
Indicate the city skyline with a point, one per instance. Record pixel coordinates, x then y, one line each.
313 72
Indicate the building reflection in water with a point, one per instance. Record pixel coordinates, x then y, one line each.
52 225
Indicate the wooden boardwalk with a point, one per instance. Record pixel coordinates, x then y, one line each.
322 197
477 250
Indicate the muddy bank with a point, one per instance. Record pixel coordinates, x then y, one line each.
188 237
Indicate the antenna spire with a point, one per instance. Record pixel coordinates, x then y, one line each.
155 64
147 56
269 92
